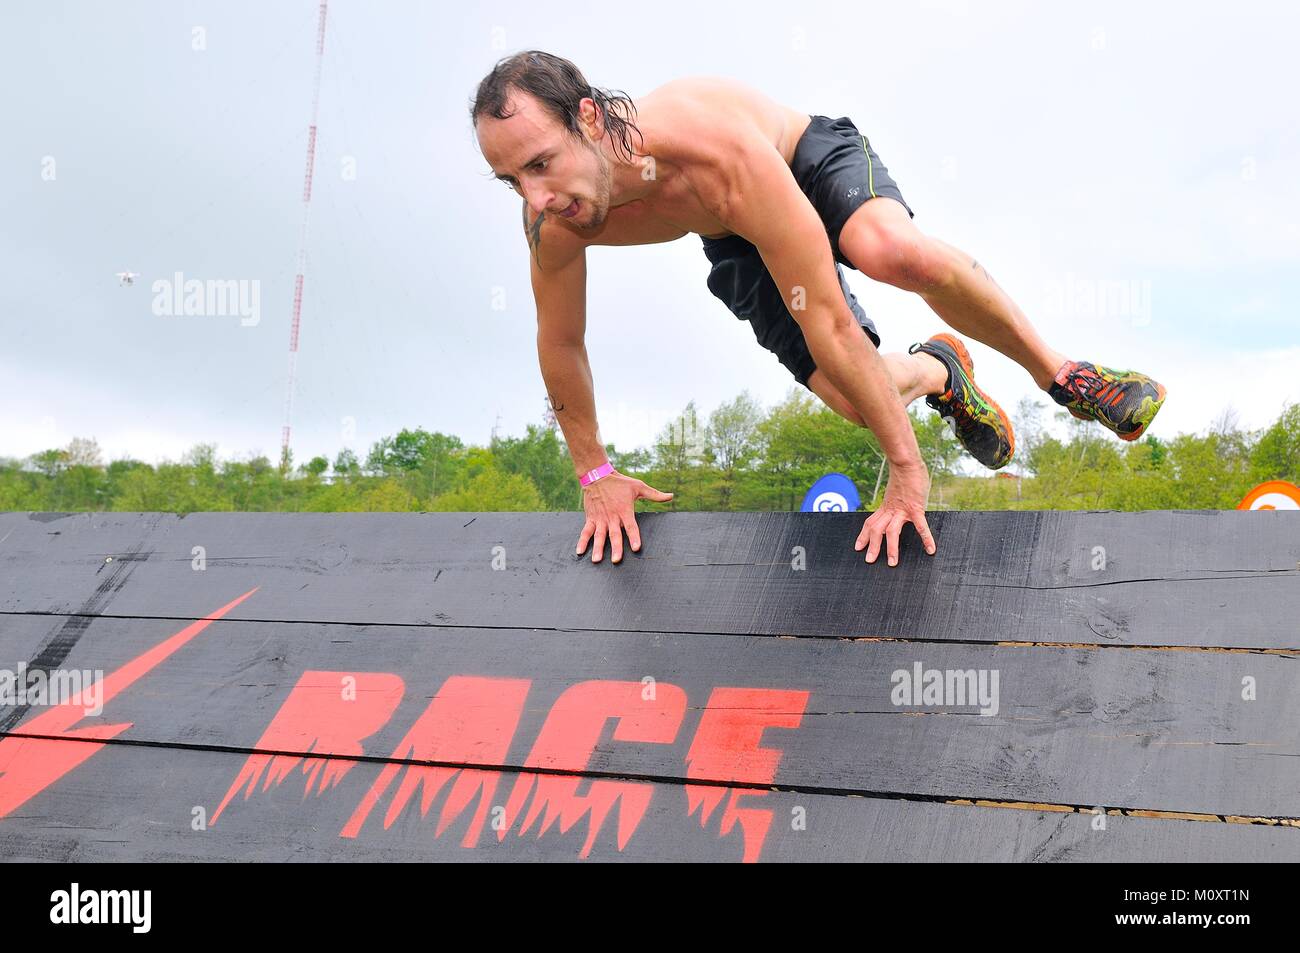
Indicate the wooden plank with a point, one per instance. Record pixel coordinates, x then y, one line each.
1205 578
1130 728
140 804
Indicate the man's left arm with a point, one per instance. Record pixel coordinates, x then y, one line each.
752 191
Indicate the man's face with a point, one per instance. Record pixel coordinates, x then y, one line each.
564 176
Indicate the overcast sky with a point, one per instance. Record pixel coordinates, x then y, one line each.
1130 175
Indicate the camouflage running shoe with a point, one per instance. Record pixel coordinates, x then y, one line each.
974 418
1124 402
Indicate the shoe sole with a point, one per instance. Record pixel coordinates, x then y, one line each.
968 366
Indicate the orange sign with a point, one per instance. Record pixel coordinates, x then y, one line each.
1273 495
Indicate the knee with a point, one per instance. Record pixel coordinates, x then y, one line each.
900 257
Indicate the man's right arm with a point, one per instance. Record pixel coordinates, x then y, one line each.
559 275
559 279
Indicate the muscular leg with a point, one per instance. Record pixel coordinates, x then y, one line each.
914 375
882 242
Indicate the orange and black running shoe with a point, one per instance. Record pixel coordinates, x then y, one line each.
975 419
1124 402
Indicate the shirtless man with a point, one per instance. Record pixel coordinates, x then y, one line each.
781 200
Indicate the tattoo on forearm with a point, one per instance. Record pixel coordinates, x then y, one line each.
554 407
534 234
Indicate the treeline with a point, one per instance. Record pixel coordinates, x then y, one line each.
739 457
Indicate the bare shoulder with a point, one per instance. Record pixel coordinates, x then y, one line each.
708 129
696 120
550 245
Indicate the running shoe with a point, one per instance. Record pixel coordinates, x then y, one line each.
975 419
1124 402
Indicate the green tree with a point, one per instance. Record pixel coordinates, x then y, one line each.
316 466
346 466
632 462
1276 455
679 452
428 463
542 457
732 439
799 441
386 496
49 462
491 490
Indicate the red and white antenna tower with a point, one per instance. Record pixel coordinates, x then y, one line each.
302 241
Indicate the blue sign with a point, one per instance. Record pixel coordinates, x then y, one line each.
833 493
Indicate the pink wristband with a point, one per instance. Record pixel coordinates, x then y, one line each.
591 476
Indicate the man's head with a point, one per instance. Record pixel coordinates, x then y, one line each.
553 137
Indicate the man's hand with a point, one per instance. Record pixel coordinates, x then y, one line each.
904 503
610 503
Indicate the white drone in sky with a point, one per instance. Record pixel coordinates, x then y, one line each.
127 277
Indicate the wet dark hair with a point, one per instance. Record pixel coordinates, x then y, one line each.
559 86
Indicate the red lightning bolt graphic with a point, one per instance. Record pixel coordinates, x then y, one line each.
30 765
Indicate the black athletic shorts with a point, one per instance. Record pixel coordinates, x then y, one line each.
838 171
